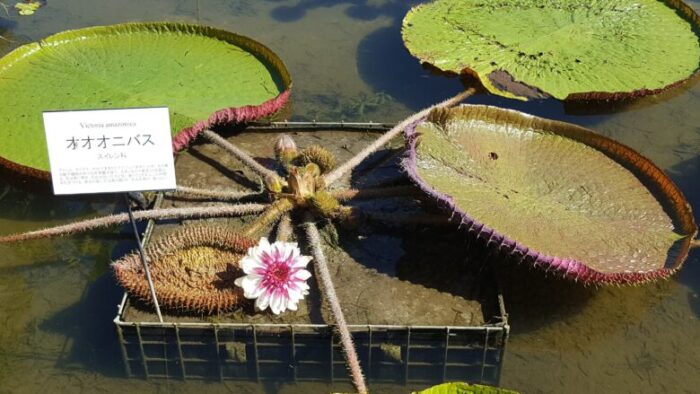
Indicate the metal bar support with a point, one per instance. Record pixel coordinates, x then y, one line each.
142 253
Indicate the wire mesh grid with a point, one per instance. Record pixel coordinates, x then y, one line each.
307 352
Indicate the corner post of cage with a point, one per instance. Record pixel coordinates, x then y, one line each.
122 347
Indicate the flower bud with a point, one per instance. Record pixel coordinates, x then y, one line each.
285 148
273 183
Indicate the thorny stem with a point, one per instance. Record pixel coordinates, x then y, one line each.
321 268
391 191
120 218
221 195
284 228
270 215
244 157
389 135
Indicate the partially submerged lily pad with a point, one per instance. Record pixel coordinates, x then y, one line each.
570 49
464 388
552 194
204 75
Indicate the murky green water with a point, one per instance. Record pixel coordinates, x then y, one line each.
57 298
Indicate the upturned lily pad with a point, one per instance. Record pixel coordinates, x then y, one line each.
193 270
568 49
204 75
552 194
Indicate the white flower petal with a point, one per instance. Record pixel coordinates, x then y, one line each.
302 275
252 287
301 261
295 295
263 301
276 303
248 264
292 305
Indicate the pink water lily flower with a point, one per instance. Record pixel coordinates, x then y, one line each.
275 275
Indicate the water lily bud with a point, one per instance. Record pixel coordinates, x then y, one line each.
285 148
273 183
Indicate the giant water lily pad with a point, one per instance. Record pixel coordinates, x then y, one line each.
552 194
193 270
204 75
569 49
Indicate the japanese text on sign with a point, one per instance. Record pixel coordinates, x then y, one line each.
101 151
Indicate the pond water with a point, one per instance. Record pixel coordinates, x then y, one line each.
58 299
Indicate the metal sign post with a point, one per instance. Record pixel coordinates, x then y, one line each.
142 253
112 150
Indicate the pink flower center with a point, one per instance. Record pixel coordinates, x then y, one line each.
277 274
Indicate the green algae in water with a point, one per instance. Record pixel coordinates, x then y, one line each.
560 48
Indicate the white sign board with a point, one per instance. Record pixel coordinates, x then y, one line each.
105 151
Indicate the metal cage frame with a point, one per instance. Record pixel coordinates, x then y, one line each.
310 352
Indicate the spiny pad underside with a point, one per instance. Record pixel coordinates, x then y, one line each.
193 270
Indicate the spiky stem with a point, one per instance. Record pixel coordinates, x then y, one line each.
321 268
388 136
221 195
271 214
354 214
241 155
284 228
120 218
391 191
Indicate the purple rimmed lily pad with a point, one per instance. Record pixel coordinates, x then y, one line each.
557 196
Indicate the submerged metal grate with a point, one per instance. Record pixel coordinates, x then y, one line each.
258 352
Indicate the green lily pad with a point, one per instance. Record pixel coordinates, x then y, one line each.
568 49
464 388
552 194
204 75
